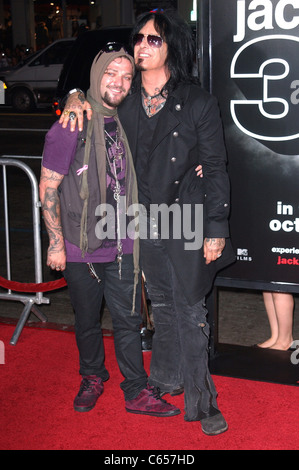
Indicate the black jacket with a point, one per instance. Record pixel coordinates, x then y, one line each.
189 131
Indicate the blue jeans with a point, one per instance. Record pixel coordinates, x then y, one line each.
86 297
180 342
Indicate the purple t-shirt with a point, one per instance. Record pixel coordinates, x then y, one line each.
58 155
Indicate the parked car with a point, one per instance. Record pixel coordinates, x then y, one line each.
34 80
76 68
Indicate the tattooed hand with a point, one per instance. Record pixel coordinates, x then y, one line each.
48 186
56 258
213 248
76 103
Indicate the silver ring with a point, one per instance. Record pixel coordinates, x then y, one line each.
219 254
72 116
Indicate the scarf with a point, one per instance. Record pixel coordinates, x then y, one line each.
95 128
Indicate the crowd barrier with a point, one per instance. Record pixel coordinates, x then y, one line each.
30 294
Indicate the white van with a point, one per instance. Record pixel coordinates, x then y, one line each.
34 80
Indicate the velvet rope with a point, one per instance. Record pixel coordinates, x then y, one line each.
31 287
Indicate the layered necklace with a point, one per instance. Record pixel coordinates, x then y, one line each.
117 157
118 148
151 108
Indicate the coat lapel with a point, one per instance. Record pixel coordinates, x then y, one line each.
167 122
129 116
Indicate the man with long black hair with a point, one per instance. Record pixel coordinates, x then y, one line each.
173 125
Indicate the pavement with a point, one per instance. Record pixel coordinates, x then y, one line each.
241 316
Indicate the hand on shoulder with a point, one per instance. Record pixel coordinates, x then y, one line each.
73 111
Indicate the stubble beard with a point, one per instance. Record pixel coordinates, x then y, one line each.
114 103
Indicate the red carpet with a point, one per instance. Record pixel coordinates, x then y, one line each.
40 378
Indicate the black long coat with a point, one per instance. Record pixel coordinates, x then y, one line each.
189 131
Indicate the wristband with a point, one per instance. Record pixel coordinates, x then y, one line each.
75 90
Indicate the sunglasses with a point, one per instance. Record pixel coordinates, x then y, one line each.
152 40
112 47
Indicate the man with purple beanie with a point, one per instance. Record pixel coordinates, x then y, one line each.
85 177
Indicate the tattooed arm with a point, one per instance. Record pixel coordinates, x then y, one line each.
48 189
213 248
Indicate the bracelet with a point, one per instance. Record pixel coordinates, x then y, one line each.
74 90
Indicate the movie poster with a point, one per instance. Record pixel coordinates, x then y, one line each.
254 73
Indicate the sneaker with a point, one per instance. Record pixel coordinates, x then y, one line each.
90 389
149 402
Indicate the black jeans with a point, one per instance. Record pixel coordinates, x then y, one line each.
180 342
86 297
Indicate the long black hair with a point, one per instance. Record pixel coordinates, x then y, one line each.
181 44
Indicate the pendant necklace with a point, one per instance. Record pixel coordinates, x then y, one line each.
116 142
148 107
116 193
